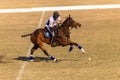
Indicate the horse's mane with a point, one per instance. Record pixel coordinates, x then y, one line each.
64 22
65 28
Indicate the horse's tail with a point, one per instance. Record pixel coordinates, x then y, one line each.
25 35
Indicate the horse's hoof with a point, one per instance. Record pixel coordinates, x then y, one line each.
83 52
55 60
31 58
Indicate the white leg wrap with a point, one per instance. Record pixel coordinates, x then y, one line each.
82 50
31 58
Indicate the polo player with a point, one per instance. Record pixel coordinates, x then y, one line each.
53 22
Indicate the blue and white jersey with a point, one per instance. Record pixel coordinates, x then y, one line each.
51 22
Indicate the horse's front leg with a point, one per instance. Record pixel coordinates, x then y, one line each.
64 41
77 45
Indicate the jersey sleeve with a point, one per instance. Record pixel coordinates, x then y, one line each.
51 22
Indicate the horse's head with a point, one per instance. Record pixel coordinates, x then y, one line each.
67 25
71 23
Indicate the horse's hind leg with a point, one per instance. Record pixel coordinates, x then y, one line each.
46 53
35 47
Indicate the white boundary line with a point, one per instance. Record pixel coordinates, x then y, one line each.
82 7
21 71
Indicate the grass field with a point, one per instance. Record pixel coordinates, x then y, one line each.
99 35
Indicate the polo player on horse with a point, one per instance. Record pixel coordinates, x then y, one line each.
52 24
61 39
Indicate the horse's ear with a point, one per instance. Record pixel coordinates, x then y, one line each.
69 16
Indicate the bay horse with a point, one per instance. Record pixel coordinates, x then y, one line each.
62 38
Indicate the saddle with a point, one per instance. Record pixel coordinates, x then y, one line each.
48 34
53 41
